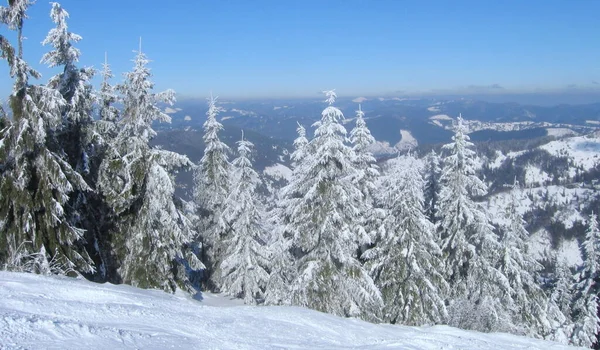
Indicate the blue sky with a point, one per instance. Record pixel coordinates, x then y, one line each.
291 48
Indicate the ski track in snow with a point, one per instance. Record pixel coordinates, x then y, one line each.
39 312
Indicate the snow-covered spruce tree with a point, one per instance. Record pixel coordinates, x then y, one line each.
480 294
585 291
367 170
211 188
432 172
242 272
103 218
405 263
280 246
77 138
560 300
366 174
324 222
153 243
35 182
106 126
522 270
76 132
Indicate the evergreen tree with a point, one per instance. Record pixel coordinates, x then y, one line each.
242 272
366 174
35 182
211 189
108 113
330 278
560 300
281 267
522 270
405 263
76 133
480 293
433 171
154 245
76 138
585 302
367 170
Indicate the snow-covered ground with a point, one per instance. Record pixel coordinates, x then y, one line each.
407 141
278 171
38 312
583 150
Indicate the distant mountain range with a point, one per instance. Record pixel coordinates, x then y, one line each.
426 120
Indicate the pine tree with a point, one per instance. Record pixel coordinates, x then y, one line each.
281 267
211 189
154 245
521 269
109 114
76 134
480 294
405 263
324 220
433 171
101 216
368 171
35 182
242 272
560 300
585 301
366 174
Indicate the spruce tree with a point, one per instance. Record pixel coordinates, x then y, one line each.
281 267
405 263
585 299
366 174
433 171
242 272
560 301
522 270
479 292
154 244
211 188
36 181
324 222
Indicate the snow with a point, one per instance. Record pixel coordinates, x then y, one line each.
67 313
243 112
594 122
187 118
583 150
539 242
433 109
440 117
407 141
278 171
360 100
560 132
535 176
170 110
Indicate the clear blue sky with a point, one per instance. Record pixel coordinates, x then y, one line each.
296 48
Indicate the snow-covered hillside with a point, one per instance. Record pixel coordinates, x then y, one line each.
38 312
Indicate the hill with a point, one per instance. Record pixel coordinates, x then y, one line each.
38 312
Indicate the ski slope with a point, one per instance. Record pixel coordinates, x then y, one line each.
38 312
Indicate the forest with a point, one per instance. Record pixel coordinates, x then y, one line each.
84 193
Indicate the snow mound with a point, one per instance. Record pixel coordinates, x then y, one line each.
360 100
279 172
64 313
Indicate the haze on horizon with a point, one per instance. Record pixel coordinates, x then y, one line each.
542 52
